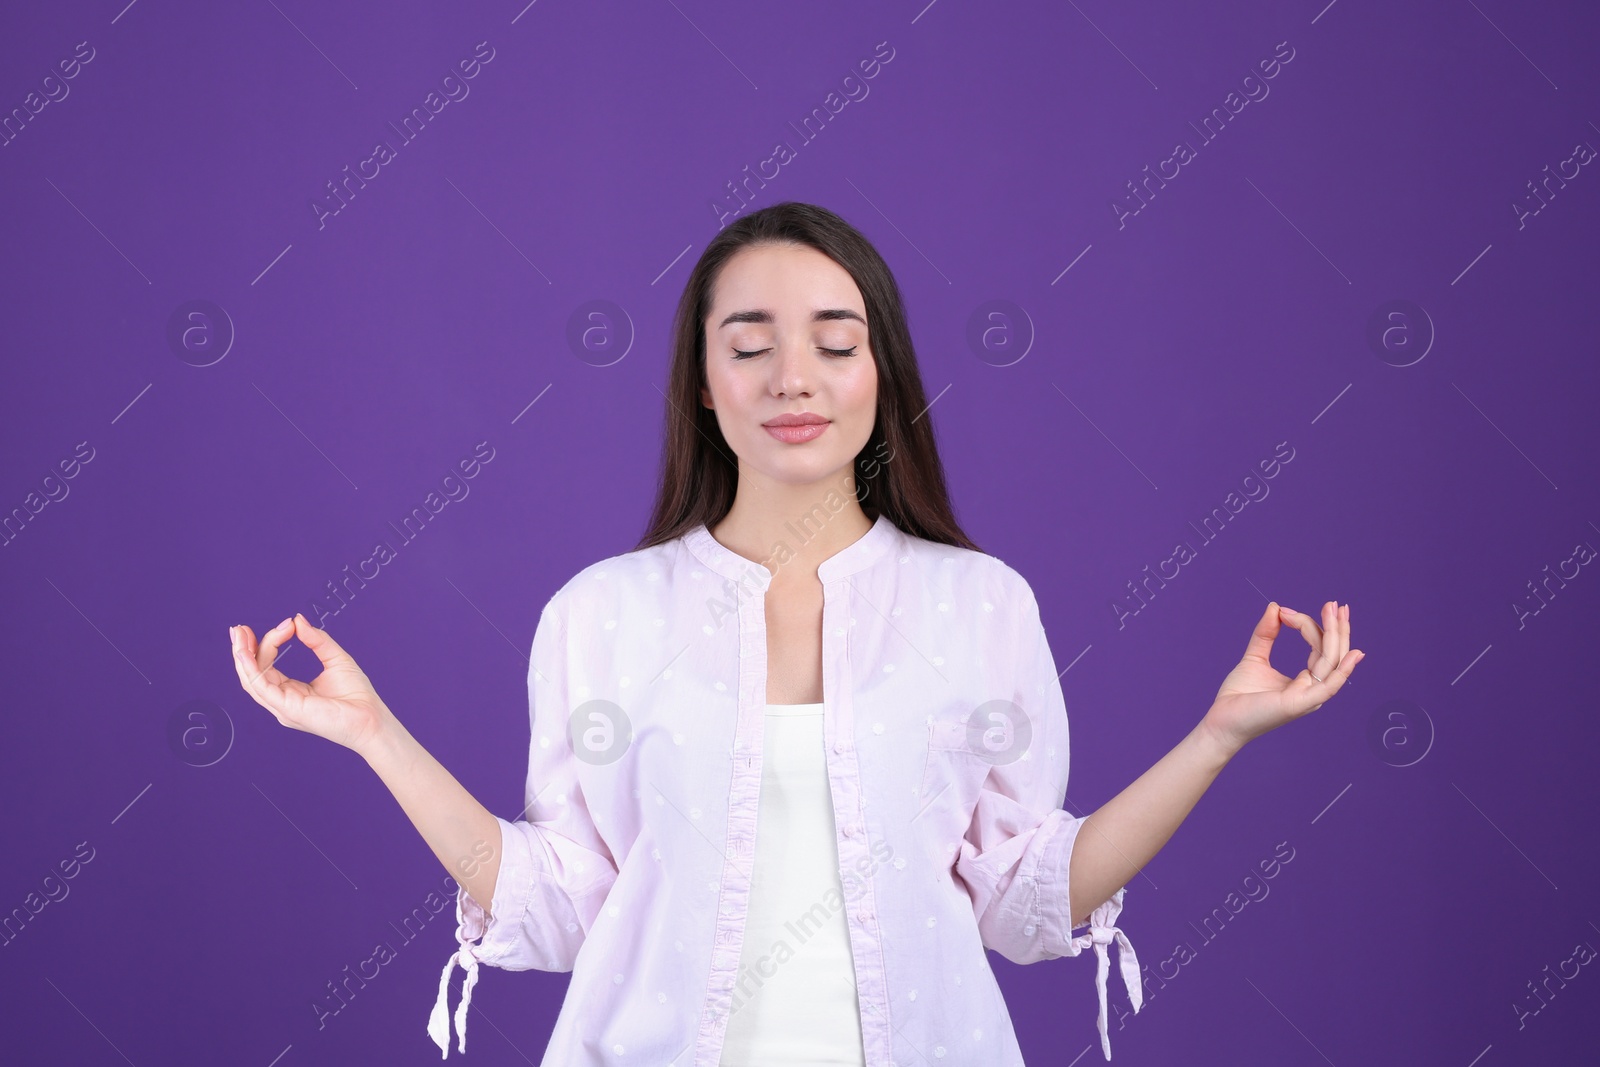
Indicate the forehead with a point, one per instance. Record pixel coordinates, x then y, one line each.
786 282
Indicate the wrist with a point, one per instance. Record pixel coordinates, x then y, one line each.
385 746
1219 745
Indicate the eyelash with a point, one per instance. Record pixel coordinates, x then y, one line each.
839 352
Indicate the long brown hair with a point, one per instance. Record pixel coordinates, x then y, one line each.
898 472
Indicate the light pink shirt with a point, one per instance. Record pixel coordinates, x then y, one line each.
631 864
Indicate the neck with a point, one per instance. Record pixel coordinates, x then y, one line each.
793 534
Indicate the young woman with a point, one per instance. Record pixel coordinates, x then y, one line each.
797 759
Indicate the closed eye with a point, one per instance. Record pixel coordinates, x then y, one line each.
840 352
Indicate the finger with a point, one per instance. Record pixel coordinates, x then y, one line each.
267 653
254 681
1344 631
1353 655
1331 654
319 642
1266 631
247 641
247 638
1334 680
1328 653
1306 625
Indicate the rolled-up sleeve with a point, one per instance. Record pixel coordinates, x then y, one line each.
555 869
1016 856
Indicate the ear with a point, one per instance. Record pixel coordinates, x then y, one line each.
705 398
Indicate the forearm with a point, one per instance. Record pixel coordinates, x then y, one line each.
463 834
1125 833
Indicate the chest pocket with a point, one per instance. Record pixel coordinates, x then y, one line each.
952 773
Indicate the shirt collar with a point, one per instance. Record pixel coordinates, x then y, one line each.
854 557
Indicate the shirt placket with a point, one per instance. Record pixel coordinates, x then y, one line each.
844 776
739 850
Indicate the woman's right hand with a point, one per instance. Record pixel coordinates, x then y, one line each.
339 704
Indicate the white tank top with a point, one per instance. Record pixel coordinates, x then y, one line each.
794 1001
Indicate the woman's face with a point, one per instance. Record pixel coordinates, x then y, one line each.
800 322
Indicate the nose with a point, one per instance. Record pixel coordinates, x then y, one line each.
792 370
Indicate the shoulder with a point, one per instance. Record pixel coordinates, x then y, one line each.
966 572
617 583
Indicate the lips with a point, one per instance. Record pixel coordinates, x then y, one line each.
803 418
798 432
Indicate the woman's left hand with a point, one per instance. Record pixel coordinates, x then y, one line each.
1255 698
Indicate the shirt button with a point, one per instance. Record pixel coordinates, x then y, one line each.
838 746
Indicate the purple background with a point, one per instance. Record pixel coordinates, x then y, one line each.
1440 809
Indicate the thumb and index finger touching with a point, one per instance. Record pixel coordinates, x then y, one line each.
319 641
254 659
1343 659
1271 624
1266 631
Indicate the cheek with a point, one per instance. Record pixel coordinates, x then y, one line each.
736 401
862 389
738 393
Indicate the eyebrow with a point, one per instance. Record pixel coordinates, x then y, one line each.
764 316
